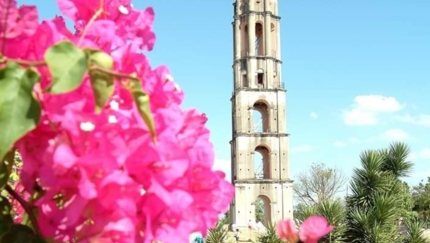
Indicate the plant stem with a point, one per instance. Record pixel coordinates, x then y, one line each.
23 62
27 207
92 68
94 18
113 73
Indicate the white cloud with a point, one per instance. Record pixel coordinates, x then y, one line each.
313 115
377 103
366 109
395 135
339 144
424 153
357 117
223 165
301 149
422 120
353 140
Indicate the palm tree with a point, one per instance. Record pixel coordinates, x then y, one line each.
395 160
374 207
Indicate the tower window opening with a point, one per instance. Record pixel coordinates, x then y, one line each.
275 69
243 65
244 80
260 79
262 210
262 163
244 41
260 117
274 30
258 39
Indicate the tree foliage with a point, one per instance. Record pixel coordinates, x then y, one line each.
333 211
421 200
379 198
414 231
259 210
319 184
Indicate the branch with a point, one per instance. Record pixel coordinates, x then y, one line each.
99 12
23 62
27 207
113 73
320 184
92 68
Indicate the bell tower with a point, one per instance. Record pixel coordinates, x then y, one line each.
259 145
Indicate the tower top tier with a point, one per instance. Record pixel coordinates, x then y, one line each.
257 45
255 6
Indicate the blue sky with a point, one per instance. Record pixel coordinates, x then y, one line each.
357 73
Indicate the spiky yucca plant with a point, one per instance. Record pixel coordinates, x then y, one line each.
374 207
414 232
217 234
270 235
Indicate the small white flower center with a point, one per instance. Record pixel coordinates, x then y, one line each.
112 119
168 77
87 126
114 105
142 192
123 10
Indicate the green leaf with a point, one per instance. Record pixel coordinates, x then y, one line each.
20 112
68 65
5 207
142 102
102 83
6 220
19 234
6 168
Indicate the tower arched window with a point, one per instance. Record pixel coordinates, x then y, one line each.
260 117
259 45
260 78
244 39
262 163
263 212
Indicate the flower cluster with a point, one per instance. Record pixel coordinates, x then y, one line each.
101 177
312 229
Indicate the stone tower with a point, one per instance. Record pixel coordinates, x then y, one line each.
259 145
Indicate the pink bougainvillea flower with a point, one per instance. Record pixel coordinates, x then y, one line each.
287 231
102 177
20 22
314 228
